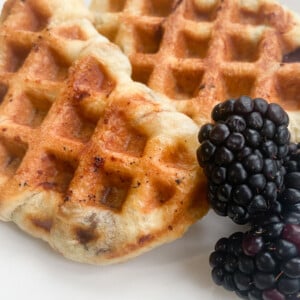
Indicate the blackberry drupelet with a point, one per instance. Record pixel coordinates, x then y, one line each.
243 155
261 264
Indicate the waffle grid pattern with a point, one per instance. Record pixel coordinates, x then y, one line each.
114 146
126 171
33 72
80 140
205 51
21 55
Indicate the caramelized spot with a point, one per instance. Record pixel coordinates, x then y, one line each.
44 224
98 163
85 236
68 195
145 239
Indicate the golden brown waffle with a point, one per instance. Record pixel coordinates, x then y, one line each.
201 52
39 41
136 183
97 165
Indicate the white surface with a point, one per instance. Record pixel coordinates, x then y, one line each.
180 270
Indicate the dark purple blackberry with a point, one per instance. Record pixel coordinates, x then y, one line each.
243 155
289 198
261 264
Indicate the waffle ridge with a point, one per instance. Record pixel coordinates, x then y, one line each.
90 161
200 52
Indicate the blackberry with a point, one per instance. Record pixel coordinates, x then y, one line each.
243 155
262 263
290 196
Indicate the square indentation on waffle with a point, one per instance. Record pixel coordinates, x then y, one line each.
13 54
24 15
177 156
72 124
37 107
185 82
12 152
162 191
114 190
91 80
119 136
148 38
288 87
203 11
191 44
159 8
236 84
104 181
26 108
44 63
243 48
54 173
90 85
141 73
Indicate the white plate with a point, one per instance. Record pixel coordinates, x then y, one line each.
180 270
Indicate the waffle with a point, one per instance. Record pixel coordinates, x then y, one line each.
201 52
97 165
39 41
